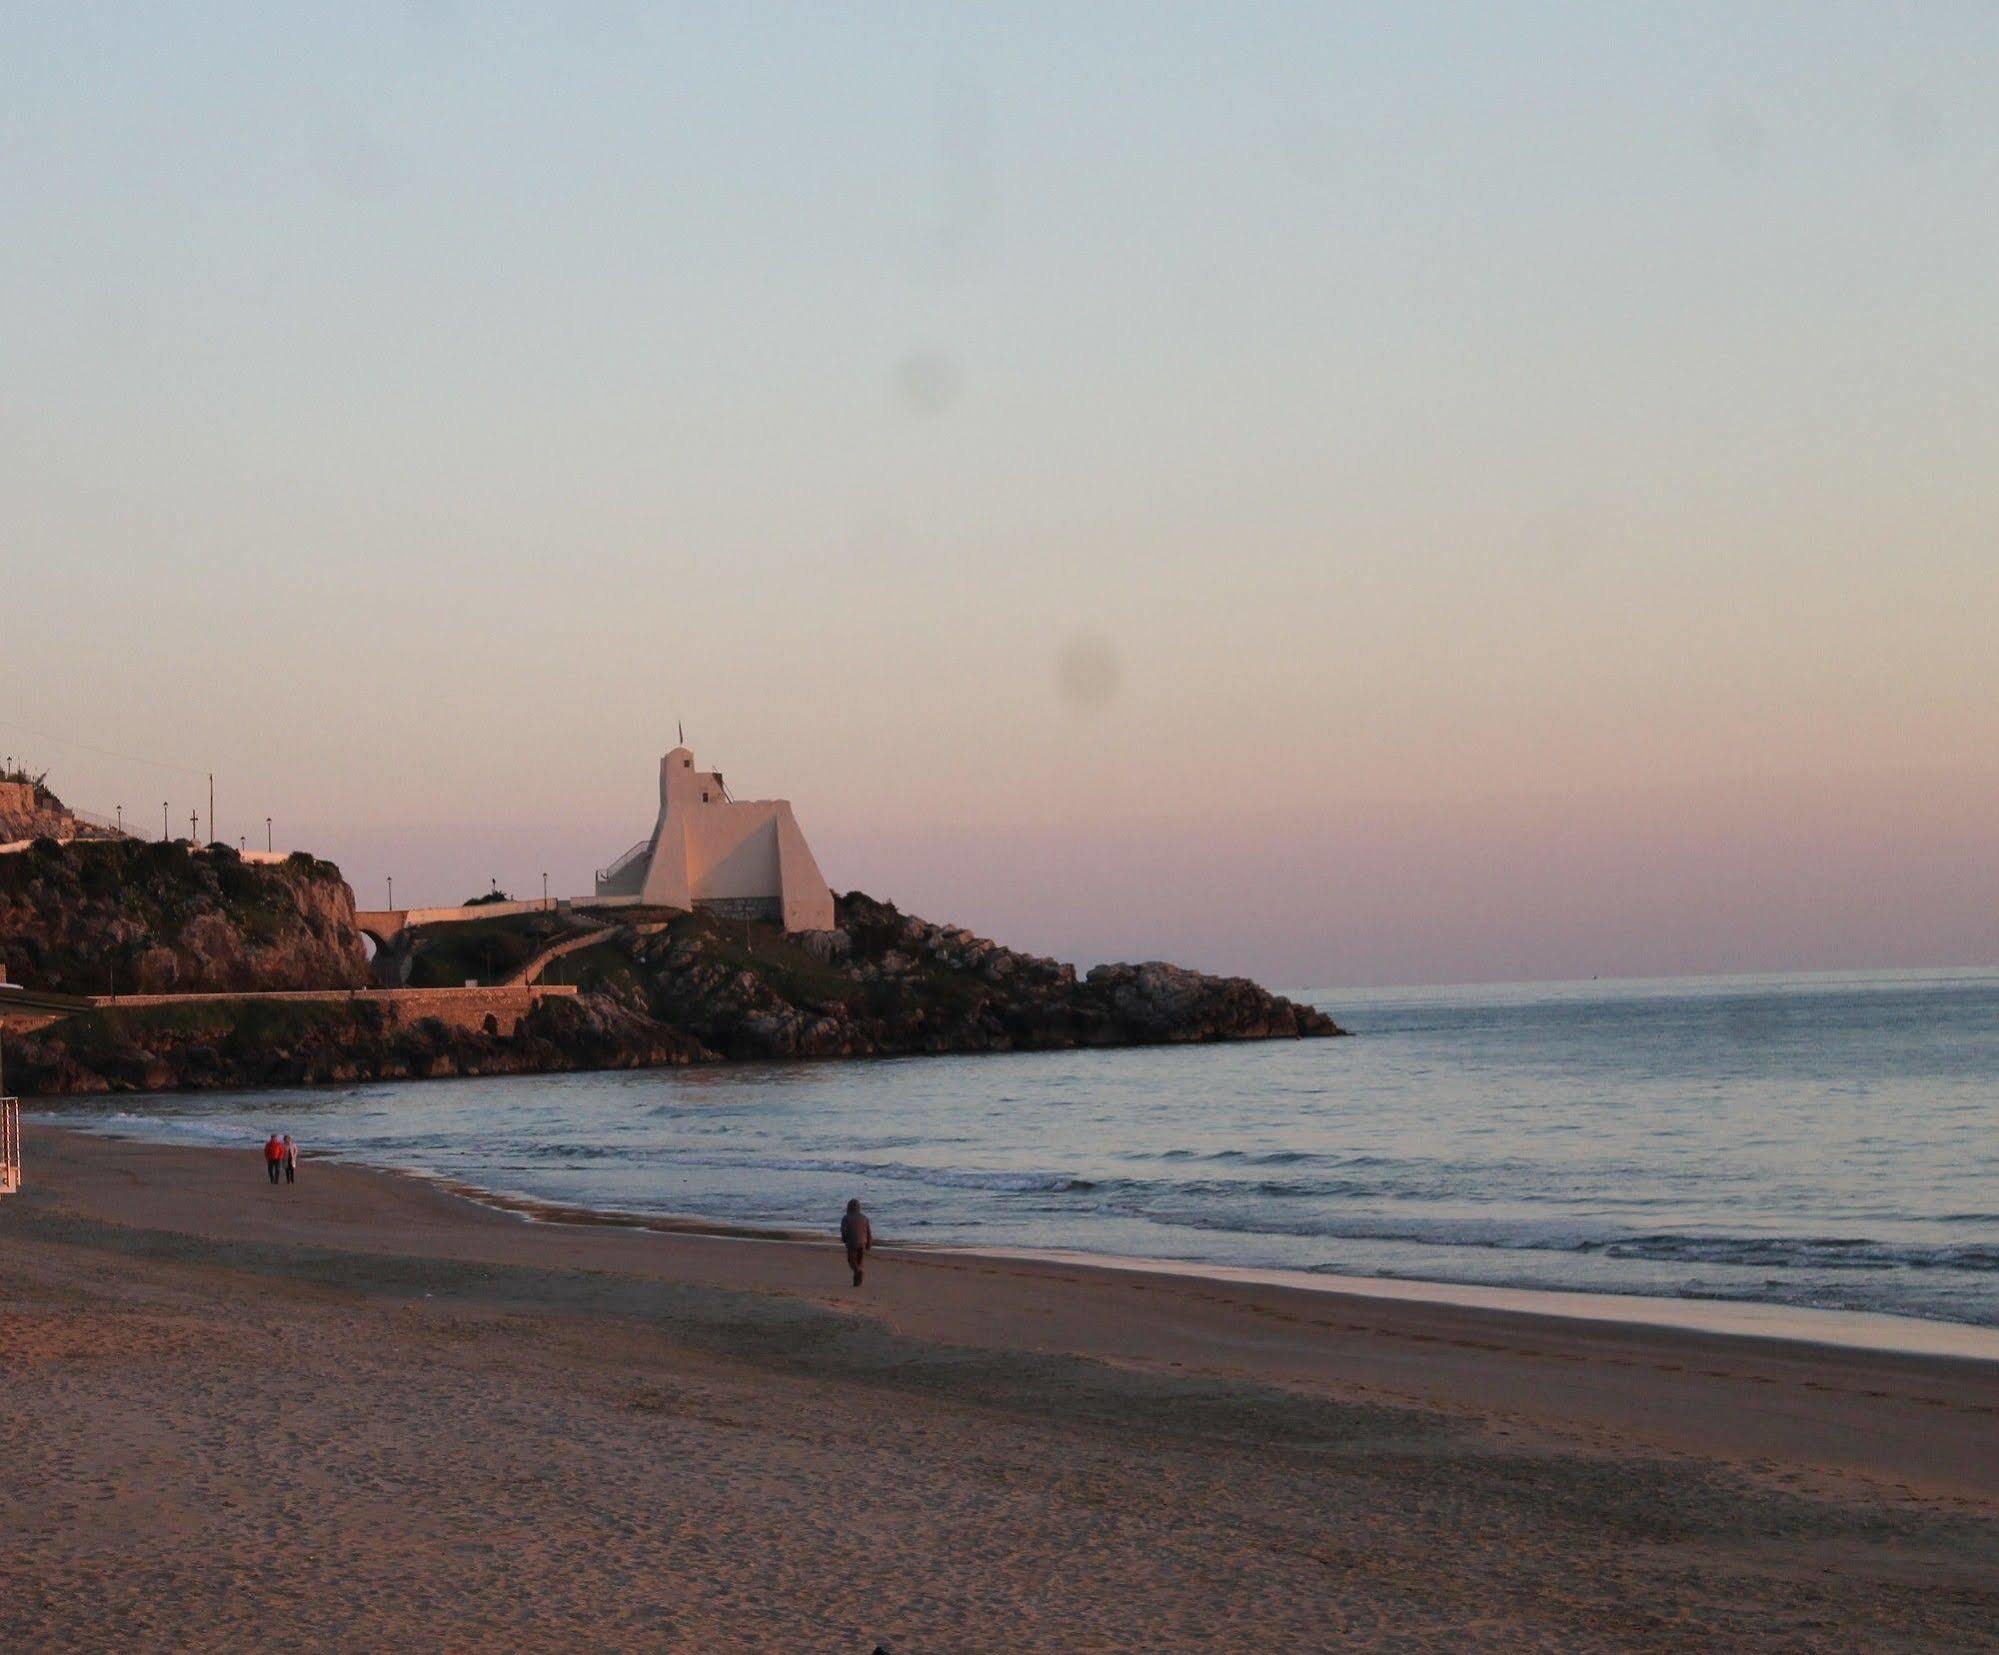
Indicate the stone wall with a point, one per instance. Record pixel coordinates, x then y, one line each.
768 909
461 1008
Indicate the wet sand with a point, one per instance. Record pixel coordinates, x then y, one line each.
363 1412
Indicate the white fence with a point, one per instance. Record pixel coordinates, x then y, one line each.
10 1145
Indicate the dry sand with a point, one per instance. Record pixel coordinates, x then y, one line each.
365 1413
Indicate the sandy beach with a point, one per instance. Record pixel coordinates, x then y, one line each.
365 1412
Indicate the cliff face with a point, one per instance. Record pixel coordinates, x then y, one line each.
28 810
145 918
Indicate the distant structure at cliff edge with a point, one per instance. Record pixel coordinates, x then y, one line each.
742 858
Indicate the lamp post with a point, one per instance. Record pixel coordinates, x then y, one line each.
392 891
163 822
121 821
267 833
544 890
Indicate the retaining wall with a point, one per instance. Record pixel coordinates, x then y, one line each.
463 1008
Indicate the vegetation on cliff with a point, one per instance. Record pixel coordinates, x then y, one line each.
140 917
486 950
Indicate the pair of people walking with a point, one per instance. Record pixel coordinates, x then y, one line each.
281 1158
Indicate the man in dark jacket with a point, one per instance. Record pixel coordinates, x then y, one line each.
857 1235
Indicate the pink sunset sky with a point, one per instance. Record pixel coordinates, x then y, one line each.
1389 499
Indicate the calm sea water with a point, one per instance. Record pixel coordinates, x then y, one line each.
1823 1140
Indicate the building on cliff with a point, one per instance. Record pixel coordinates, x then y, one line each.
742 858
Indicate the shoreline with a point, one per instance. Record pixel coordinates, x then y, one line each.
1456 1308
1820 1326
706 1059
1813 1326
459 1425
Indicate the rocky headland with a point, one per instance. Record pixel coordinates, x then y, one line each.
885 982
128 916
650 988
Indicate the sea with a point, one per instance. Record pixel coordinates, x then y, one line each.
1826 1141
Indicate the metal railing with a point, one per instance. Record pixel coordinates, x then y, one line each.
10 1145
606 875
104 824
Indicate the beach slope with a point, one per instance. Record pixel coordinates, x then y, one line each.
365 1412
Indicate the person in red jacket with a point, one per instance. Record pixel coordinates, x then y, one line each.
274 1156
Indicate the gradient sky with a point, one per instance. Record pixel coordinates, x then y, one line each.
1356 495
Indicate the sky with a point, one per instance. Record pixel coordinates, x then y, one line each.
1361 494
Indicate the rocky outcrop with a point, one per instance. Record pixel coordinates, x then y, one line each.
28 810
885 982
697 988
600 1031
152 918
1165 1004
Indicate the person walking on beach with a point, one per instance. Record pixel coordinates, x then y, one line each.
274 1155
857 1235
291 1160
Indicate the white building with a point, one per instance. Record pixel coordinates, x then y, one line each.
743 858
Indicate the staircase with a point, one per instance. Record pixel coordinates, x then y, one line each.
587 931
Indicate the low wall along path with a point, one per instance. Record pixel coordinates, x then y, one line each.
463 1008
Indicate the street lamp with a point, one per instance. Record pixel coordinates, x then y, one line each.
267 833
544 890
392 890
163 821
